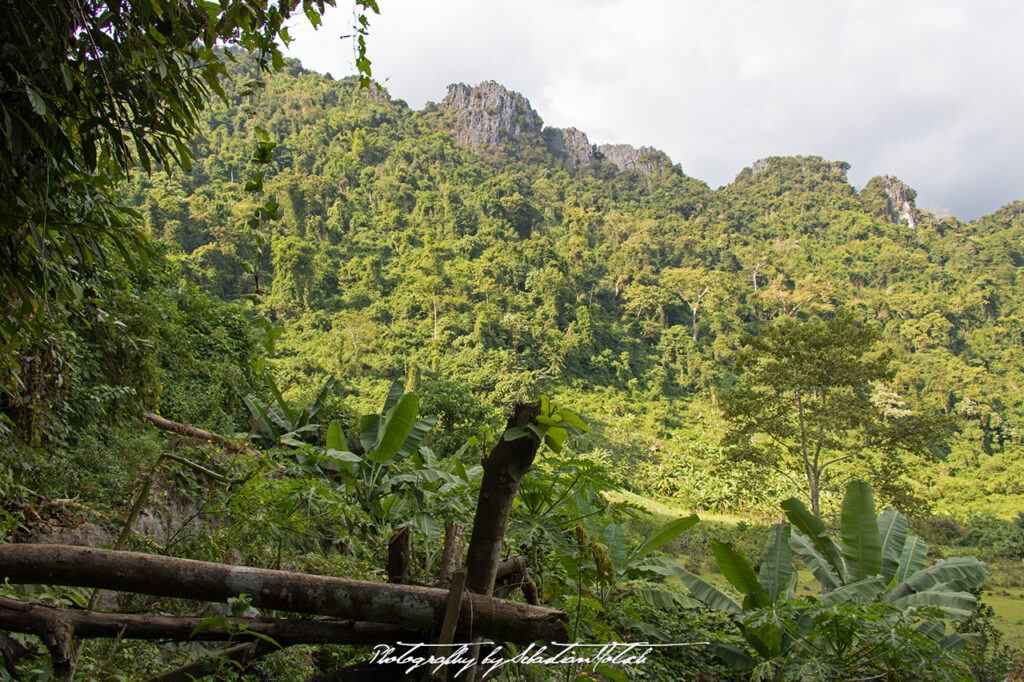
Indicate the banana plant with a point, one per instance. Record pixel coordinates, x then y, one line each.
616 564
394 475
876 562
278 423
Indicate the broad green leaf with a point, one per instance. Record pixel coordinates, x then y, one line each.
417 434
957 573
336 437
862 547
956 605
666 533
343 456
892 531
815 561
777 567
733 656
571 418
738 571
932 629
912 558
395 393
395 428
861 591
953 642
554 437
814 530
369 431
426 525
666 599
615 540
706 593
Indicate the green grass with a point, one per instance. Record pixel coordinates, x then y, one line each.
1008 604
663 510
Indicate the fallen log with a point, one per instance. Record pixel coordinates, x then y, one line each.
419 608
193 432
36 619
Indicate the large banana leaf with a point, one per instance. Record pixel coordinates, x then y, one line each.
861 591
394 428
814 530
336 437
395 393
956 605
416 435
777 567
661 598
954 574
734 656
738 571
862 547
815 561
615 540
707 593
912 558
892 531
668 532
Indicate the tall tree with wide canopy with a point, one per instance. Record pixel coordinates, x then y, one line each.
803 401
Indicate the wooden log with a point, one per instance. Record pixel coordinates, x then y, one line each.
419 608
37 619
399 557
504 470
454 549
193 432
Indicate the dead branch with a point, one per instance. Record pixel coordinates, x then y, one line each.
504 470
193 432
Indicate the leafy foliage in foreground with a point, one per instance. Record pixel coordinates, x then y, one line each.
881 610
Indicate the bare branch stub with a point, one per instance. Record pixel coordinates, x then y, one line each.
504 470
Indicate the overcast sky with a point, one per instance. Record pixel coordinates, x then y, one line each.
931 91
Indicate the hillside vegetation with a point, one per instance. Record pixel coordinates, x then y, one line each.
486 273
331 258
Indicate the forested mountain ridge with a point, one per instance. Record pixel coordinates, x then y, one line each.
468 248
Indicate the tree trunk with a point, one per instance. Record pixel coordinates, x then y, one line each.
418 608
504 470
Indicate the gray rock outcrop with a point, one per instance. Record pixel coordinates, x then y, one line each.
488 114
901 199
626 157
570 145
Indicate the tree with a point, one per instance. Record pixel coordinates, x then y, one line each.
89 89
804 400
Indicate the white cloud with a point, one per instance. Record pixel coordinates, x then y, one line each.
927 90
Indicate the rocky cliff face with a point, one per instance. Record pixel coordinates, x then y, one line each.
644 159
491 115
488 114
570 145
901 200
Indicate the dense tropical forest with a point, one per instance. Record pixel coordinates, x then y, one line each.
281 339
